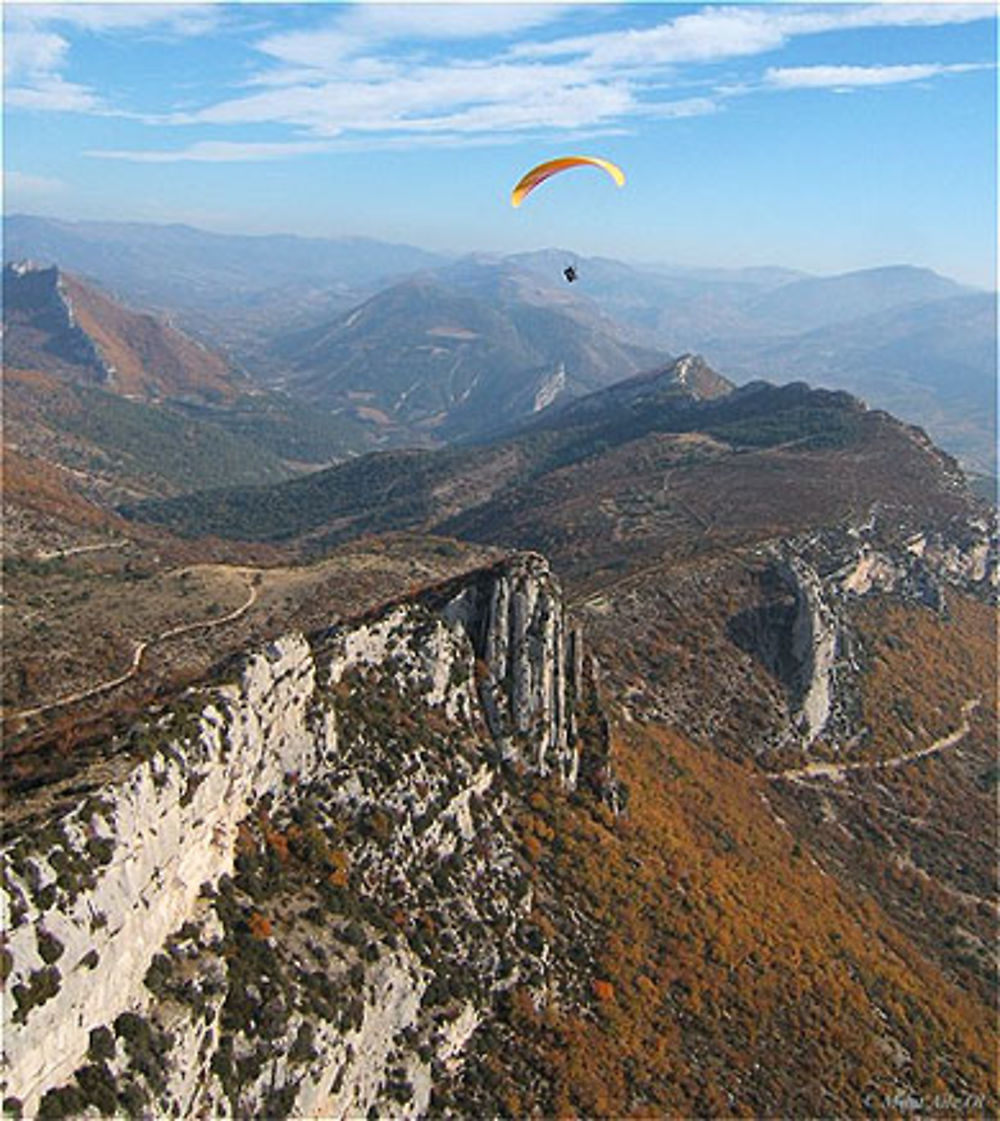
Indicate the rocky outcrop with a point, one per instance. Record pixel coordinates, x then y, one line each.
694 375
813 650
967 557
528 665
123 915
41 330
549 389
794 632
800 626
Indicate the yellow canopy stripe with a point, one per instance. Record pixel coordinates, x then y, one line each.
552 167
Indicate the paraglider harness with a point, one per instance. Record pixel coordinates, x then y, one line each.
570 273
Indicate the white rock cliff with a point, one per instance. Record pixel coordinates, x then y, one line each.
93 896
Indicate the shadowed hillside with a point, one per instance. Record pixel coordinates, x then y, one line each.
647 462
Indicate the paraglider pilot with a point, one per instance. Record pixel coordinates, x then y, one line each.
531 179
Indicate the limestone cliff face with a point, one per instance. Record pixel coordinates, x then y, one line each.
793 630
549 389
813 650
800 626
925 564
42 329
857 563
397 725
112 878
528 665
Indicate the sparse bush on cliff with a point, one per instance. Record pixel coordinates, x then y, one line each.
43 984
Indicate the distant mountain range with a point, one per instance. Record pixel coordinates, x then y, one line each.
701 304
230 289
812 302
418 363
903 338
178 266
932 362
456 360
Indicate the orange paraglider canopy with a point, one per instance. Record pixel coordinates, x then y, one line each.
552 167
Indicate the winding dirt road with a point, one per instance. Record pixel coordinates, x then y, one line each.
837 771
137 656
52 554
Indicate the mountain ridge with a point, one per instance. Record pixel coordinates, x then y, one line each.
122 403
736 317
673 436
450 363
57 323
933 362
190 265
813 302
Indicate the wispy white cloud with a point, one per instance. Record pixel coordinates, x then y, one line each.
844 77
37 48
710 35
351 77
463 98
24 190
436 21
177 19
362 41
723 32
235 152
33 61
682 107
375 72
50 92
31 52
215 151
566 107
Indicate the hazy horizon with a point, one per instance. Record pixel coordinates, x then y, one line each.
663 267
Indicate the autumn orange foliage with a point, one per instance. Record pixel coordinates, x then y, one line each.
604 990
736 978
339 863
260 926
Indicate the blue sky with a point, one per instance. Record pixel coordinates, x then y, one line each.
825 137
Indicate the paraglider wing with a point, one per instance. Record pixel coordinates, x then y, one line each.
552 167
